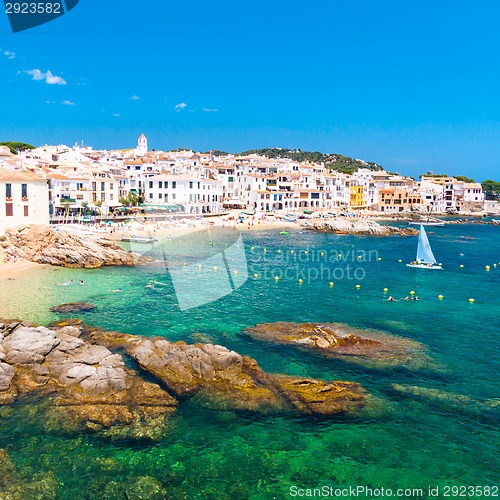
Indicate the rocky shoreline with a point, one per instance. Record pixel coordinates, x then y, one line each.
83 378
359 227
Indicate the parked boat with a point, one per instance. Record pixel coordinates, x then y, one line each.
289 218
425 258
496 222
435 223
139 239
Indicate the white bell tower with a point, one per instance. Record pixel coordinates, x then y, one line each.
142 145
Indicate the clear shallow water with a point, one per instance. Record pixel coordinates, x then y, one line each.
413 443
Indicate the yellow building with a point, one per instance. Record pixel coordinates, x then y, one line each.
356 196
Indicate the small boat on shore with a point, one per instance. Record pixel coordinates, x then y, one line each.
496 222
434 223
425 258
139 239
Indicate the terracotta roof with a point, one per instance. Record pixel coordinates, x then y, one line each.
18 175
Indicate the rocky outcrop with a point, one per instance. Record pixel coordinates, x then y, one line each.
224 379
336 340
87 385
46 245
358 226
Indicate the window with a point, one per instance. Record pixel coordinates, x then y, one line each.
166 184
150 196
8 210
166 197
24 190
26 210
230 179
8 191
174 184
111 197
94 186
103 186
160 184
160 196
190 185
173 196
103 196
79 186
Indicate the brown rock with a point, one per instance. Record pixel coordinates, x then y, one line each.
72 307
46 245
337 340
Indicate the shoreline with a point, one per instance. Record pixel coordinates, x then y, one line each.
8 269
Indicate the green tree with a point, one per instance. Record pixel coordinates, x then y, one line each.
464 178
15 147
491 189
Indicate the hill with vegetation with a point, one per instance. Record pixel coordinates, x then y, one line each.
15 147
337 162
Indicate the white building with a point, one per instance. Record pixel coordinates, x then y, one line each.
193 195
142 145
24 199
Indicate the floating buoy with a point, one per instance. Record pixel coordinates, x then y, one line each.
306 252
440 297
184 264
300 281
215 268
279 251
252 248
400 260
199 266
265 249
380 258
291 251
440 264
358 286
359 257
494 265
340 255
235 272
412 293
386 289
461 265
323 253
255 275
487 268
471 300
276 278
331 283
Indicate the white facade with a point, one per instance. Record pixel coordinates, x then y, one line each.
142 145
193 195
24 199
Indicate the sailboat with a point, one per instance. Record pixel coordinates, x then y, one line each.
425 257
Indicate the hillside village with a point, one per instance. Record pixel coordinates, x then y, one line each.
38 185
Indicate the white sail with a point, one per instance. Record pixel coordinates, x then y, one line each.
424 252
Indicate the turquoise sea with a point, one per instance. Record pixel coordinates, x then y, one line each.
409 442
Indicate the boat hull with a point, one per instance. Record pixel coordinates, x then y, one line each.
423 266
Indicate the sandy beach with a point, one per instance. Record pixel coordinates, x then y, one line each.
11 269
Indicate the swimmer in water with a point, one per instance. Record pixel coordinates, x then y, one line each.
118 290
81 282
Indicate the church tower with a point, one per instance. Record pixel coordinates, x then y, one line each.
142 145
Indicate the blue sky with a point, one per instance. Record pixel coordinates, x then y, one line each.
413 86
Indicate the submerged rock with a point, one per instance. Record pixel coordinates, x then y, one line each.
72 307
449 400
46 245
336 340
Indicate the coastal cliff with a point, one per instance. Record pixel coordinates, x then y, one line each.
46 245
360 227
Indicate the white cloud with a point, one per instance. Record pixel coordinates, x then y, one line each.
180 106
49 78
68 103
9 54
135 98
210 110
116 114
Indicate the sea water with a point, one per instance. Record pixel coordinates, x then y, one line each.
409 443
